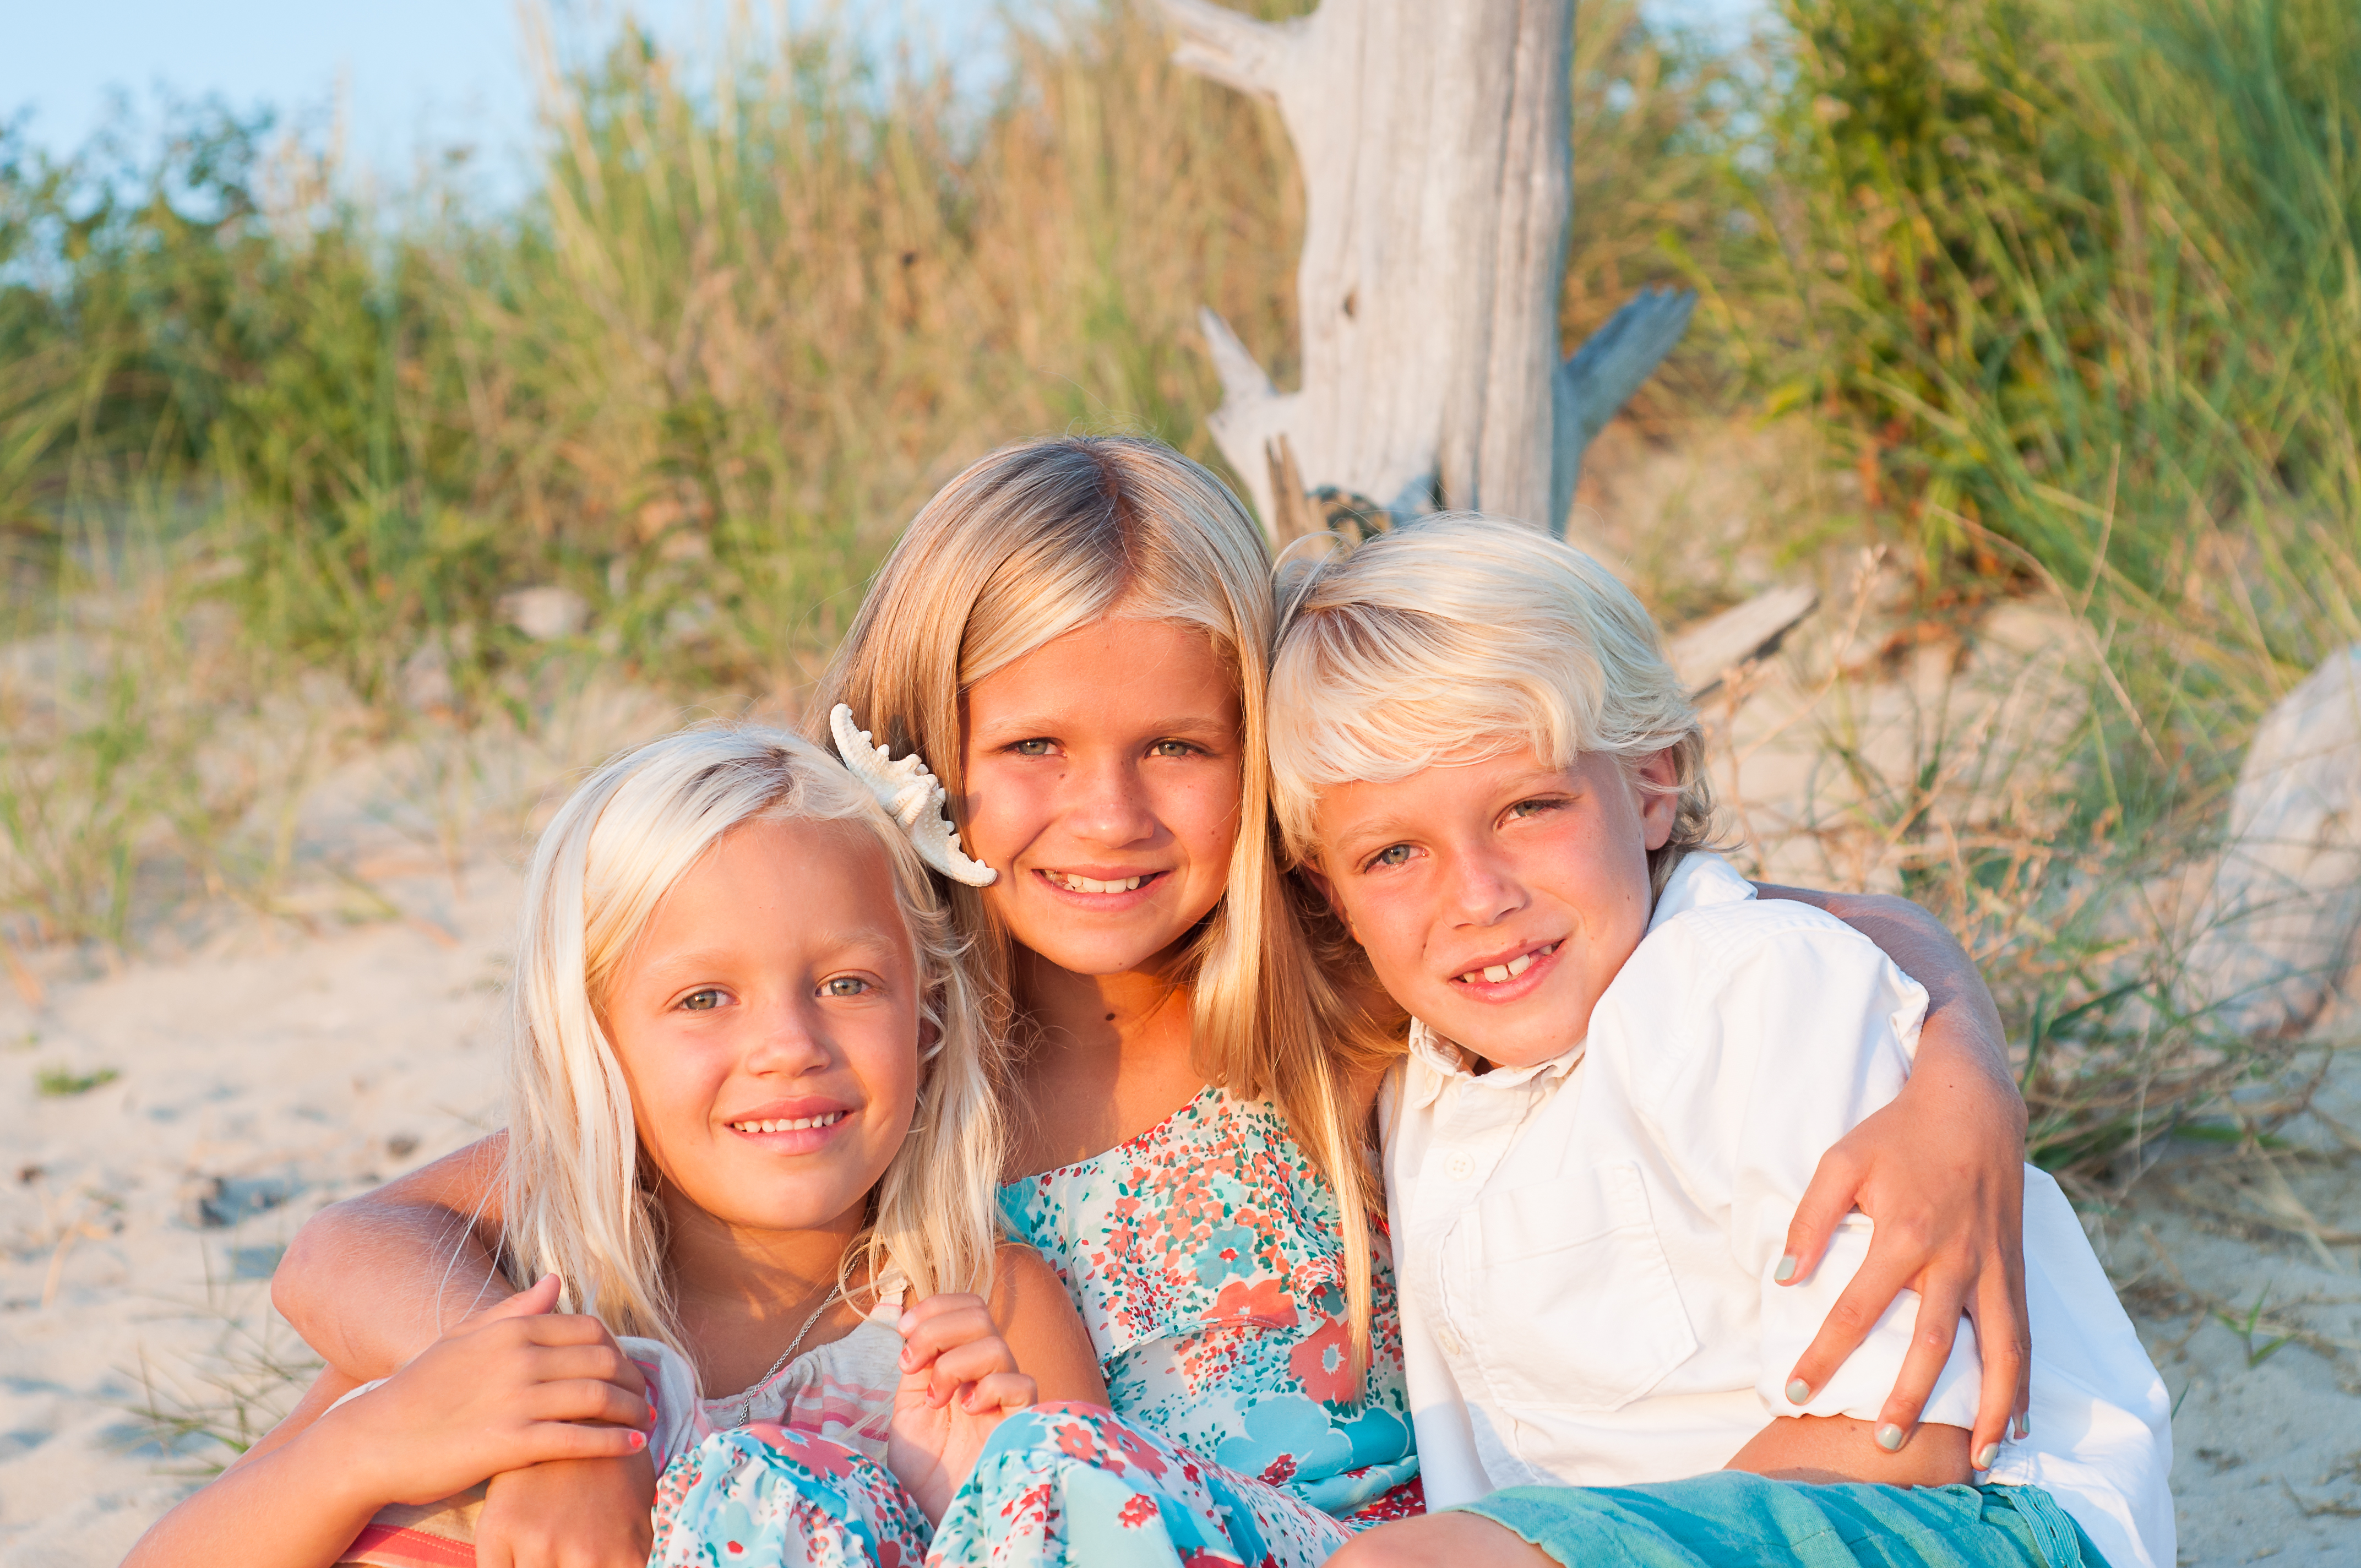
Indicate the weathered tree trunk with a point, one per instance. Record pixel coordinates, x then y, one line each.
1438 182
1436 157
2278 928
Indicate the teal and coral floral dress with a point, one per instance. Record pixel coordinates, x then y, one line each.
1205 1259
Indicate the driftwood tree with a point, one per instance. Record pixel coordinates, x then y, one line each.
1437 167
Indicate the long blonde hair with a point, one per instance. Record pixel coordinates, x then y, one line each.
1027 545
579 1196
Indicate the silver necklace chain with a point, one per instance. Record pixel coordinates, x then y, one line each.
746 1400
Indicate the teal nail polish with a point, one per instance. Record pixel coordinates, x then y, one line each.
1889 1438
1786 1269
1798 1391
1987 1457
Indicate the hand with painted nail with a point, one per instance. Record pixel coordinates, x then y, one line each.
959 1379
1941 1172
518 1384
513 1389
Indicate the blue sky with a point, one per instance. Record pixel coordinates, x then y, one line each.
398 77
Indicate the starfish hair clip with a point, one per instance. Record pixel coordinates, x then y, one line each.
912 795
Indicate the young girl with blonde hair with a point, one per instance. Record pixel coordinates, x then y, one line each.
1076 633
747 1088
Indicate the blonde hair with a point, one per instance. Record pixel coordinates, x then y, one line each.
580 1198
1029 543
1461 637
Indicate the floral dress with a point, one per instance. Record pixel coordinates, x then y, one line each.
1205 1259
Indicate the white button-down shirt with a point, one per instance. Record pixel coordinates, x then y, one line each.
1586 1247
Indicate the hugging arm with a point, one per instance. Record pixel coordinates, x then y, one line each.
516 1388
373 1280
243 1516
1941 1171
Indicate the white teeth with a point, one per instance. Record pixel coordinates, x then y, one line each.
1092 884
793 1124
1496 973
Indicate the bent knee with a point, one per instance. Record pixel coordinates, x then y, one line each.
1440 1541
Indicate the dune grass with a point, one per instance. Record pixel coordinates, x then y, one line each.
2065 295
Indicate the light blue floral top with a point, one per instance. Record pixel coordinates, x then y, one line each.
1204 1257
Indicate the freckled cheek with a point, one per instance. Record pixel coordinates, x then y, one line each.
1206 821
1000 821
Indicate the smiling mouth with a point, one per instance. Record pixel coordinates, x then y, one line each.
1493 974
791 1124
1073 883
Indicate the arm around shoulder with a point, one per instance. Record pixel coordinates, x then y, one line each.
1940 1171
373 1280
1963 1032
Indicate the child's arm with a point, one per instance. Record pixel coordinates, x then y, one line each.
373 1280
1825 1450
1795 1031
512 1389
1941 1172
583 1513
961 1373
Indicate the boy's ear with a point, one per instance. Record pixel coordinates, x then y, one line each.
1658 775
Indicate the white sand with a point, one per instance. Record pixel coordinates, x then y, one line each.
299 1072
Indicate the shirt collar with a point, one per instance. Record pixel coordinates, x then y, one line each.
1702 879
1444 1062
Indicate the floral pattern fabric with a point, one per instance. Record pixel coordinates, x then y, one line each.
1072 1485
764 1496
1205 1259
1058 1484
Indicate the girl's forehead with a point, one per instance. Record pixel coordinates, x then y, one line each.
1113 663
786 869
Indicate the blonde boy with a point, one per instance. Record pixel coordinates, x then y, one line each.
1621 1071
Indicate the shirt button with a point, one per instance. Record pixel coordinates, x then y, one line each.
1461 1168
1450 1345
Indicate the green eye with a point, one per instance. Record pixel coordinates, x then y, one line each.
1036 747
1532 807
702 1001
1392 855
1172 749
844 985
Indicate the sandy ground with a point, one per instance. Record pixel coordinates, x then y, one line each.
142 1217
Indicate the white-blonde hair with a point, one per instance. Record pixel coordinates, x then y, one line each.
579 1196
1029 543
1460 637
